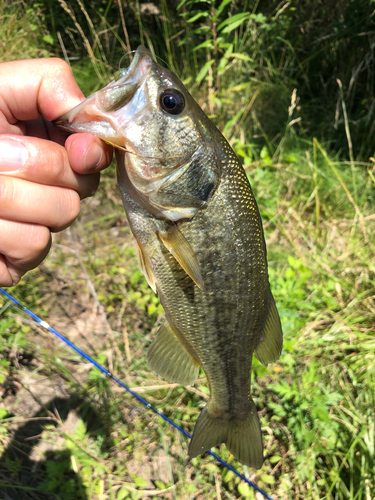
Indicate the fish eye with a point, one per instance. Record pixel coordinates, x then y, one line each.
172 101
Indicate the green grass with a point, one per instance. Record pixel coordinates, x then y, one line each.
87 439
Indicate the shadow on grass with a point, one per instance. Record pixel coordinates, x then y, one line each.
26 477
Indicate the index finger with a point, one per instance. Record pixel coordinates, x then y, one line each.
35 87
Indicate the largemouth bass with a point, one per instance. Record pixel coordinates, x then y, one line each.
200 243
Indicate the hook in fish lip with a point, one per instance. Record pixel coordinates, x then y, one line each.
134 56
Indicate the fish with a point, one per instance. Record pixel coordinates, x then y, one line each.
200 245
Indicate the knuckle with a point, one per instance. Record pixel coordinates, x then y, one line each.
39 241
3 190
90 186
70 206
7 278
59 160
52 158
75 205
6 190
59 65
95 185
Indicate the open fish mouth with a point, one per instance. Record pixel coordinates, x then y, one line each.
110 110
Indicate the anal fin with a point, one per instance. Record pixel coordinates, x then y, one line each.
176 243
271 345
169 358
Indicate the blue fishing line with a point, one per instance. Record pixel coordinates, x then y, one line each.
45 325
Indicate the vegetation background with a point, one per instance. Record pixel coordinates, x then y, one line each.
291 85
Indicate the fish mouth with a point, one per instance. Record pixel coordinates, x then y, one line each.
109 110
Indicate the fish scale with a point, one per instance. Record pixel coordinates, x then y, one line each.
200 244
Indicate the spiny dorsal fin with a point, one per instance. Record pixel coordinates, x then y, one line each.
271 345
169 359
145 268
176 243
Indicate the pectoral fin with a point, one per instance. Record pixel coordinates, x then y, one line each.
176 243
169 359
145 268
270 347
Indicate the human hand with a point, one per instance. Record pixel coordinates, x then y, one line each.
41 181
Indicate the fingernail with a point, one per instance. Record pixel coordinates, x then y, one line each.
92 157
13 155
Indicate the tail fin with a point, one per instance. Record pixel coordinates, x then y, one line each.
242 437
